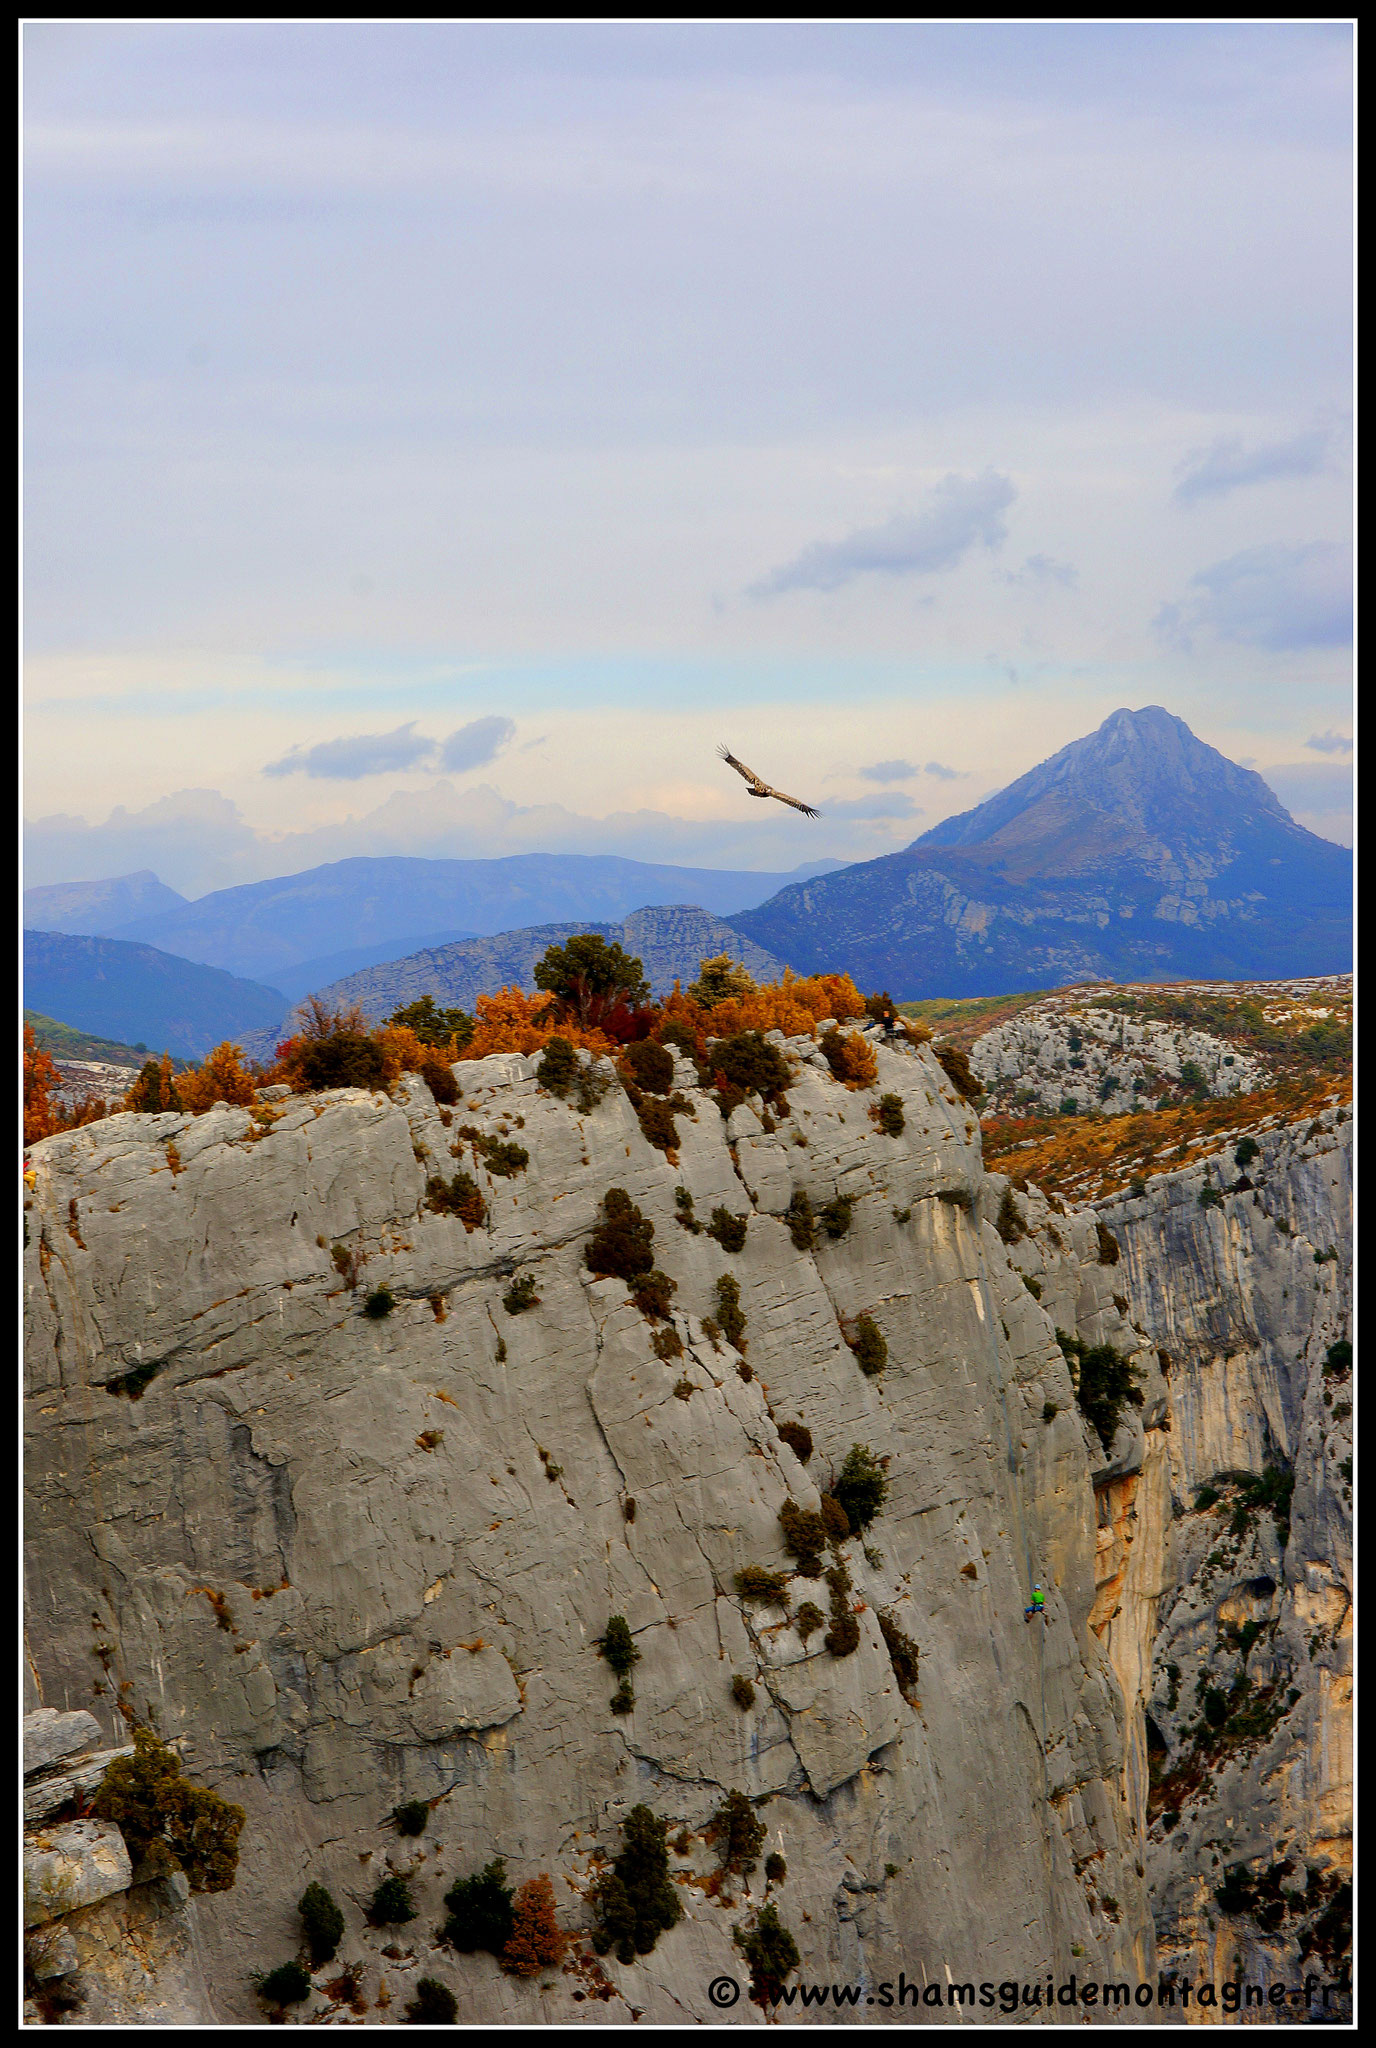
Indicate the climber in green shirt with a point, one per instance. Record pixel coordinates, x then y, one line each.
1038 1604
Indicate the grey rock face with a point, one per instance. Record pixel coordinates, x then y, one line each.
1253 1614
71 1866
352 1561
49 1736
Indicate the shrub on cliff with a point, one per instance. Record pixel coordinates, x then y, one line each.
651 1065
288 1984
391 1904
1104 1381
322 1922
888 1115
636 1900
169 1823
749 1062
798 1437
154 1090
870 1347
410 1817
537 1941
805 1537
332 1049
851 1058
739 1834
434 2005
621 1246
772 1954
730 1315
728 1230
480 1911
860 1486
1009 1223
958 1073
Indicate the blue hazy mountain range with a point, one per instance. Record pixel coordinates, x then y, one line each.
138 995
1138 853
300 931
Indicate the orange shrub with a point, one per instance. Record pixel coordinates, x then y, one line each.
793 1005
222 1077
850 1057
537 1941
512 1021
42 1116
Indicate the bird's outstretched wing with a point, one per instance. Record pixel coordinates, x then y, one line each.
806 809
739 766
762 788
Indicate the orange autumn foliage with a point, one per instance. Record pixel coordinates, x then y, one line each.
222 1077
512 1021
794 1005
537 1941
41 1082
43 1115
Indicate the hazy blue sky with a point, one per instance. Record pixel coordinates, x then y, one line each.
440 436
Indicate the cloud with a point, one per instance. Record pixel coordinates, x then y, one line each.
482 739
1044 569
944 774
1277 597
963 513
1227 466
1327 743
197 840
367 753
888 771
888 803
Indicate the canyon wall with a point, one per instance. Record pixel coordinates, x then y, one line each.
349 1559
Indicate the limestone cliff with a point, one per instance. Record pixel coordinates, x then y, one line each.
349 1559
1244 1280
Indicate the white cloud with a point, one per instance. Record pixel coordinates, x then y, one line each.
963 513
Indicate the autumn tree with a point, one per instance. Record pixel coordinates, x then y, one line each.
222 1078
155 1088
590 979
42 1116
537 1940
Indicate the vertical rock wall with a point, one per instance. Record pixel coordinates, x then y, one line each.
1246 1299
349 1561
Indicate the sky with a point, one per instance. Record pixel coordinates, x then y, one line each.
439 437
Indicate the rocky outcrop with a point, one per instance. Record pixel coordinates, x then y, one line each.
99 1948
349 1555
1082 1049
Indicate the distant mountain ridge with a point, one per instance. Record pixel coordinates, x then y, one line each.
390 905
670 941
135 993
96 908
1136 853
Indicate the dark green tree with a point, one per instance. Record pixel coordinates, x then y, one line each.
323 1923
636 1900
481 1915
590 978
434 1026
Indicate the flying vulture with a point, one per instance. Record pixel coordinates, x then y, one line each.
758 788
